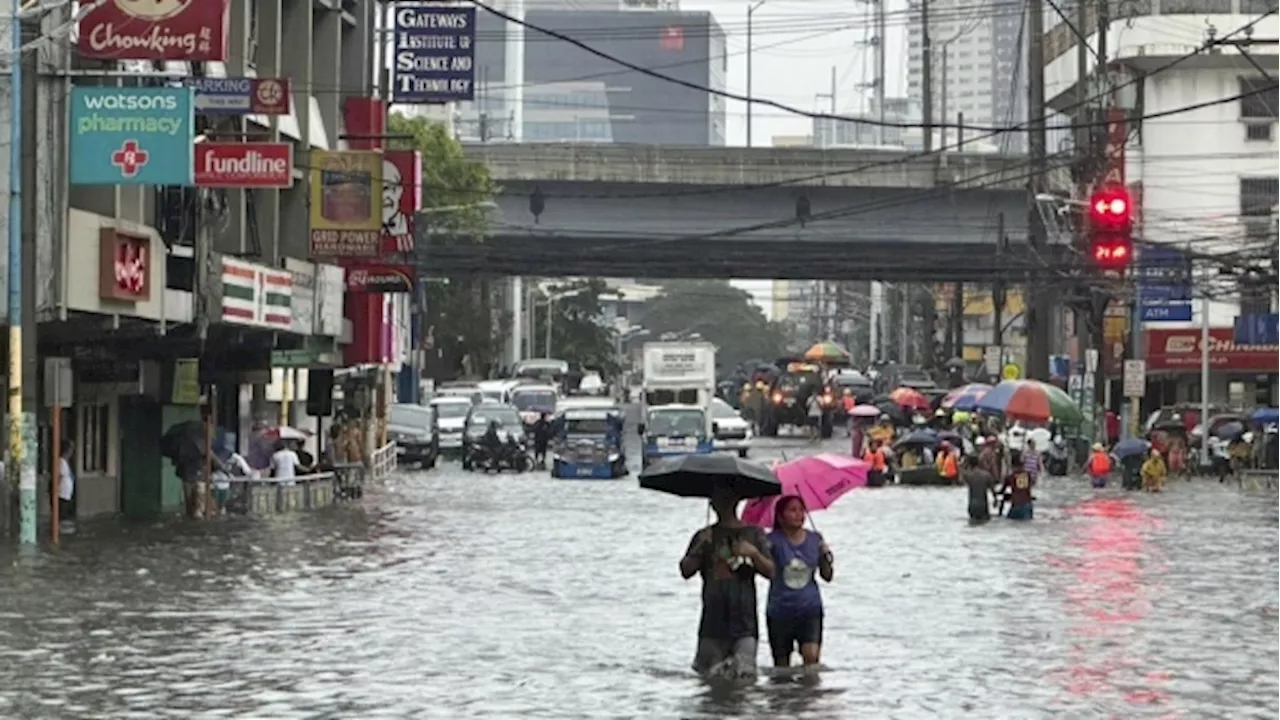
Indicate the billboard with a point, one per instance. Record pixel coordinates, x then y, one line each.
240 95
433 54
192 30
401 198
346 204
1180 351
380 279
244 164
131 136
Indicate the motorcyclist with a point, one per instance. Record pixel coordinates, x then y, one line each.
492 441
541 438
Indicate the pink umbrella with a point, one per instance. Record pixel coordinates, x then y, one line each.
866 411
818 480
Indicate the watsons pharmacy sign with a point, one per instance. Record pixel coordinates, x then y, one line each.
132 136
433 54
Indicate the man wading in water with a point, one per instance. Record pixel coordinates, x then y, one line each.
728 555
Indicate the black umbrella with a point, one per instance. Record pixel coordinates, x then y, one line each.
919 438
894 411
1229 430
700 475
182 441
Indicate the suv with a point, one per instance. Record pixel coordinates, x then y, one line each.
413 429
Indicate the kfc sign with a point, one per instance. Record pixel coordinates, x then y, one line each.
1180 351
401 198
124 266
192 30
244 165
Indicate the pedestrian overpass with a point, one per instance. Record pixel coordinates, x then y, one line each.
788 213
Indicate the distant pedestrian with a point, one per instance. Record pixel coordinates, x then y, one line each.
1099 466
982 489
814 407
727 555
794 613
66 483
1017 489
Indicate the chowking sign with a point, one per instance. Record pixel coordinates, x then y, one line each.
345 203
192 30
244 165
380 279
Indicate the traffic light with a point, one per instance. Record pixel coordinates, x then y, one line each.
1111 228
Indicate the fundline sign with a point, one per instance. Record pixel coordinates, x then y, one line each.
244 165
433 54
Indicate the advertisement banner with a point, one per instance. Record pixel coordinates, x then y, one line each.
240 95
244 165
346 205
401 198
132 136
434 52
380 279
192 30
1179 351
124 266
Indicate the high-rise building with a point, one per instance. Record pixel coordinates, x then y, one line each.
559 92
977 68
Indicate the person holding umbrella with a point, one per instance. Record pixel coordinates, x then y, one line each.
727 555
794 612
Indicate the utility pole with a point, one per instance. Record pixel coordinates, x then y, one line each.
998 290
1039 303
751 10
880 67
22 460
926 81
942 127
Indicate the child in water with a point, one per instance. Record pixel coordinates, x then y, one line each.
1018 487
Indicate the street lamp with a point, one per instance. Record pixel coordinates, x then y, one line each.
751 9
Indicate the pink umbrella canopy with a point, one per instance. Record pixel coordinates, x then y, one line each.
818 480
866 411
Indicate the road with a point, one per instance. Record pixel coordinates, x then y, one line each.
451 595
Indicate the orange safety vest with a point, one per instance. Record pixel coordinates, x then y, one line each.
1099 464
876 458
947 465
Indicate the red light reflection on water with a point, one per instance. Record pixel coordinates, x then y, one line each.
1105 594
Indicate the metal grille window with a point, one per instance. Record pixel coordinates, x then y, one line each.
95 438
1258 196
1262 103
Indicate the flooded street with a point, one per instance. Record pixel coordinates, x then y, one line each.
453 595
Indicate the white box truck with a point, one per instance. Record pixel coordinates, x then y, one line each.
675 405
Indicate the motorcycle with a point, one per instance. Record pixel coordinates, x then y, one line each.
512 455
1054 458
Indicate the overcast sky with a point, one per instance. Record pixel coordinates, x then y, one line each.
796 44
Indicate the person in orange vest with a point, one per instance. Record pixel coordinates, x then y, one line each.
875 457
1099 465
946 463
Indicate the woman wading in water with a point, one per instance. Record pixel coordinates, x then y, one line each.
794 612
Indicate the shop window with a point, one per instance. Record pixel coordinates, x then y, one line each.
94 438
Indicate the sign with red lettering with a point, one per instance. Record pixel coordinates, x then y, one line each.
379 279
193 30
244 165
124 266
1179 351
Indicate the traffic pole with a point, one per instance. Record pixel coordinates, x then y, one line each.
21 425
55 467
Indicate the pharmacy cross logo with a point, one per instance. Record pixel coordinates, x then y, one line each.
130 158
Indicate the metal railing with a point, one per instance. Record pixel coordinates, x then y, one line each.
383 462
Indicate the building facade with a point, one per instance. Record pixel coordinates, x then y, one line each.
978 67
1215 195
567 94
164 298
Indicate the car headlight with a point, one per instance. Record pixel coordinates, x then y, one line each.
777 397
613 457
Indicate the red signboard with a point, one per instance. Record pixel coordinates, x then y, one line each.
154 30
672 39
379 279
124 266
1179 351
244 165
401 198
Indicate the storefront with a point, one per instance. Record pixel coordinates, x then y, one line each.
1241 376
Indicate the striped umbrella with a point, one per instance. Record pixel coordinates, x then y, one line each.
910 399
1031 401
965 397
826 352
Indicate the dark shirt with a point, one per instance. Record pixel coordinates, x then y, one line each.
728 593
1018 485
980 483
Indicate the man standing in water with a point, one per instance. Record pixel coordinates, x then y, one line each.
728 555
982 489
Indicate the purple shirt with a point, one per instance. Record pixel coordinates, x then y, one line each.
794 590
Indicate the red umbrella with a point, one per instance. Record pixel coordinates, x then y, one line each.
910 399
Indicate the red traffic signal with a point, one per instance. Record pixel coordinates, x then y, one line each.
1110 208
1112 251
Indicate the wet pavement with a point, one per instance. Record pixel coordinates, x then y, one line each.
454 595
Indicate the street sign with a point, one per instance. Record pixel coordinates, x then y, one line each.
1135 378
1011 371
992 355
1256 330
57 382
293 358
1164 284
1091 360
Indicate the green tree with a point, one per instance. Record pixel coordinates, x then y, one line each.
722 314
461 315
577 334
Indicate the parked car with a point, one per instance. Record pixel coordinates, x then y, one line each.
451 418
732 432
413 429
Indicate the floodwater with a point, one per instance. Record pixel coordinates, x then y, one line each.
452 595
